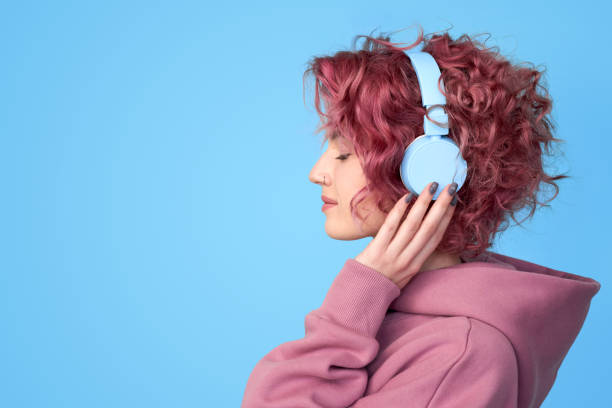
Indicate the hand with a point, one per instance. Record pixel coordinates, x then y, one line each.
399 256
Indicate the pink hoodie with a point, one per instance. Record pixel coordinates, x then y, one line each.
491 332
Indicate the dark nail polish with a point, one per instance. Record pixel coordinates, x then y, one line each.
454 200
433 187
452 189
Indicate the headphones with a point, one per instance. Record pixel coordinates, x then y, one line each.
432 156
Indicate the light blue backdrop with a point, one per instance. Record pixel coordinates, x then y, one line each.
159 232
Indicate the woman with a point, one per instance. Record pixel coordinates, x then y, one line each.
426 316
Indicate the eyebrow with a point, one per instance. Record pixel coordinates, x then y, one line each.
341 140
343 143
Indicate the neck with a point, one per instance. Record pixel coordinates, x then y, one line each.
439 260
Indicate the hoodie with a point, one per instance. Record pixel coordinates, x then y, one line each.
490 332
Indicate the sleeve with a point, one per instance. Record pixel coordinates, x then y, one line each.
484 375
326 368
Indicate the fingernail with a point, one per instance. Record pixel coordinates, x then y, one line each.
452 189
433 187
408 197
454 200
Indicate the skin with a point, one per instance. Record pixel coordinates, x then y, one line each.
343 179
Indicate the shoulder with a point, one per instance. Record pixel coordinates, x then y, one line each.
444 356
485 340
453 337
484 374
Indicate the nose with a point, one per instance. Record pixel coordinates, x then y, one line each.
317 176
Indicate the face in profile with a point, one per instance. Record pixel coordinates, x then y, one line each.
344 177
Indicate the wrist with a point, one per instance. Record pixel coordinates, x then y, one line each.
372 265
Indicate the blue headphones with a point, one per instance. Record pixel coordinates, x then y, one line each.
431 157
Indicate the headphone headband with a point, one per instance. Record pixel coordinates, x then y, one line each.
428 74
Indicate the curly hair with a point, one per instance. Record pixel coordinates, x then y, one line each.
495 115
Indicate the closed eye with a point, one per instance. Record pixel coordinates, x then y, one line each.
343 156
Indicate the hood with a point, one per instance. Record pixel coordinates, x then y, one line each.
539 309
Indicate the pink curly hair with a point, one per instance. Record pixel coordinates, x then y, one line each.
496 116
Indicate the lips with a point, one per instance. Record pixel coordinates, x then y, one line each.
328 200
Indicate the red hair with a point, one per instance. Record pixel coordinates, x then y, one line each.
496 116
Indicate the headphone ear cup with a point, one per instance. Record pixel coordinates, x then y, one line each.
432 158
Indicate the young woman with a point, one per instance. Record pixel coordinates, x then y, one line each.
426 316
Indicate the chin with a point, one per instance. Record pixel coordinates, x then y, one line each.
344 232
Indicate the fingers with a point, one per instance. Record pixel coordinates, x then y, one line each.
389 227
415 233
433 242
412 222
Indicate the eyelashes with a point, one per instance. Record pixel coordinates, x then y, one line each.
343 156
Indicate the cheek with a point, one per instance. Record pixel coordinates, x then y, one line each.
352 174
348 185
350 179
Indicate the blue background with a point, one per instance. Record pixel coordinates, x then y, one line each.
159 232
